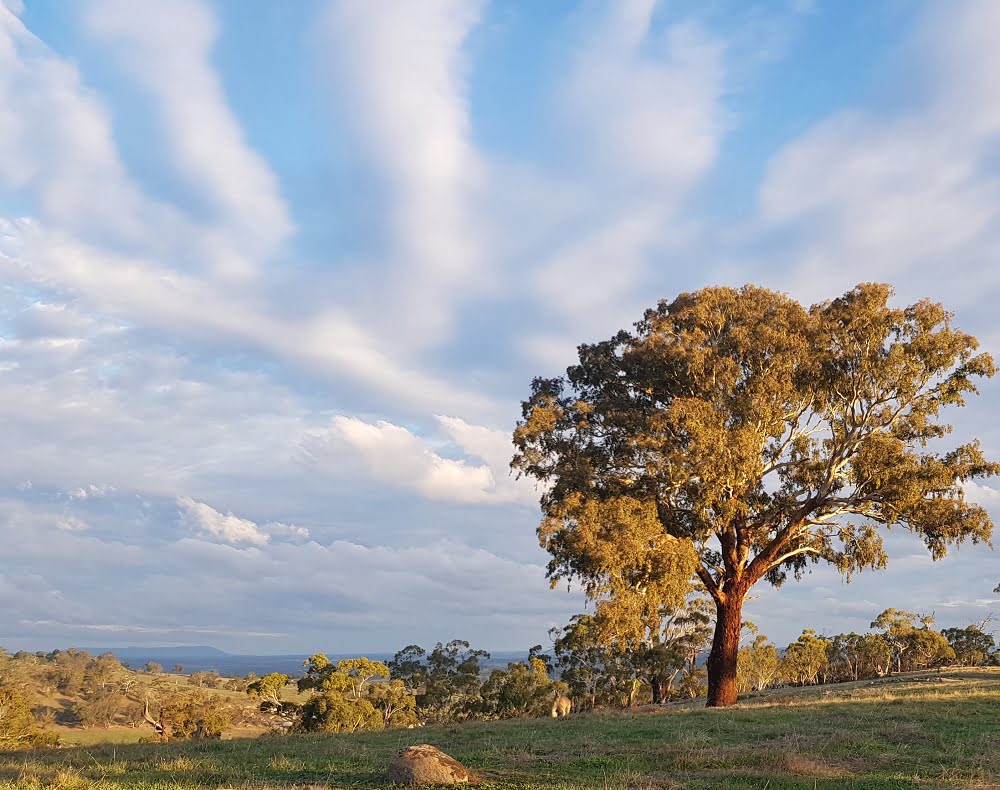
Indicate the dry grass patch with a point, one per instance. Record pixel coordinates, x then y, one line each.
182 763
811 766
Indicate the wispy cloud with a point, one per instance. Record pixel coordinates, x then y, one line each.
167 49
401 69
904 189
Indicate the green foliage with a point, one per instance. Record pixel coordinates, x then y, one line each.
520 690
350 697
17 727
604 660
351 675
805 660
395 702
853 656
595 672
898 627
446 681
758 665
205 679
928 648
268 688
195 715
972 645
99 709
739 419
330 711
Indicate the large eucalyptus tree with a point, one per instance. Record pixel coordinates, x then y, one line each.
736 435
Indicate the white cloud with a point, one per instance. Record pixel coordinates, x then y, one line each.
167 49
71 165
44 319
90 491
642 114
71 524
228 528
105 247
982 494
157 296
490 445
597 272
906 190
647 101
372 596
400 68
397 456
286 531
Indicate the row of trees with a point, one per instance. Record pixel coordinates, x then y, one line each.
902 642
72 687
417 686
597 669
590 661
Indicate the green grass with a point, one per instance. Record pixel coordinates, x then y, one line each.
906 735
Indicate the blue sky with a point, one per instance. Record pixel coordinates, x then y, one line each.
274 278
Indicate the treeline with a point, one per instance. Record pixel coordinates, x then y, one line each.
596 670
447 684
589 662
72 687
900 641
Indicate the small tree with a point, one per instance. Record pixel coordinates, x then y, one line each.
736 436
586 663
206 678
195 716
154 668
268 688
331 712
352 675
758 664
520 690
395 702
17 727
805 660
99 709
928 648
898 627
874 655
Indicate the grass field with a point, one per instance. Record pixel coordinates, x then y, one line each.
917 733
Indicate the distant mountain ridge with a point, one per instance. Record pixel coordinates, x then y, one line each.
193 651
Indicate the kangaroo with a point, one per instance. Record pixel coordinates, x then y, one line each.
561 706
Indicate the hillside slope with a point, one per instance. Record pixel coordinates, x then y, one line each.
920 732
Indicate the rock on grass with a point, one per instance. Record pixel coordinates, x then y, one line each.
426 765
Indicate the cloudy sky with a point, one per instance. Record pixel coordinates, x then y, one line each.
274 278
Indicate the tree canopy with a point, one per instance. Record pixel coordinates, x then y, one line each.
736 435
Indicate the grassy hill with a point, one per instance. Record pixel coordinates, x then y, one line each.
920 732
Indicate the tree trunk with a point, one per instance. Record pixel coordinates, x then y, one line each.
725 651
654 684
